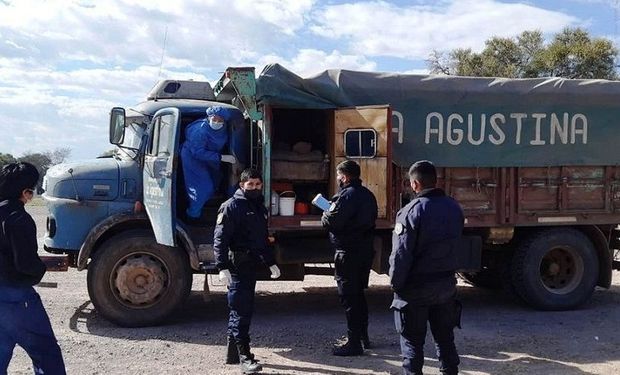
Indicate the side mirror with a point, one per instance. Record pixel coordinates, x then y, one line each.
117 125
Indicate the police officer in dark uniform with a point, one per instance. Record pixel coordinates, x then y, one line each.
23 320
351 223
240 243
422 271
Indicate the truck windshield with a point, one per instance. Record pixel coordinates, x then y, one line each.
133 136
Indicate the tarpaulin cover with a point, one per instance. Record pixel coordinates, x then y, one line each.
466 121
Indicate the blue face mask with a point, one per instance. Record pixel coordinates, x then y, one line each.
216 125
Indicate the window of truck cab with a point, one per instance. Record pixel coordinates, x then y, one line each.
160 141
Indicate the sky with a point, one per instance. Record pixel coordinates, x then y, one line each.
65 63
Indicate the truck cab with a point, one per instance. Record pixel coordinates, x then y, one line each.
117 216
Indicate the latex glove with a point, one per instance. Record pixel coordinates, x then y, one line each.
225 277
229 159
275 271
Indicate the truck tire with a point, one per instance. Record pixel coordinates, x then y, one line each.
555 269
134 282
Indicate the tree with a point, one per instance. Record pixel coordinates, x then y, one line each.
6 159
58 155
40 160
571 54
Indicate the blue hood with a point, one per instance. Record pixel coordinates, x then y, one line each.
95 179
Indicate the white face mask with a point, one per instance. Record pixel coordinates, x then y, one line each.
215 125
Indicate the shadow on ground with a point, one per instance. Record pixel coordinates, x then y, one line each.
499 335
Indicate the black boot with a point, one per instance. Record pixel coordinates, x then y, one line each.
352 347
248 364
232 354
365 339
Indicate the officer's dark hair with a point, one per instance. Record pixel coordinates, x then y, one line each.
249 173
349 168
424 172
16 177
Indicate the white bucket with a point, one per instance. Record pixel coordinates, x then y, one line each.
275 203
287 204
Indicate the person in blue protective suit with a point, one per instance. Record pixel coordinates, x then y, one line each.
422 271
240 242
350 221
201 157
23 320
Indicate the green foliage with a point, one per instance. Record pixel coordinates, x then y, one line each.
571 54
42 160
6 159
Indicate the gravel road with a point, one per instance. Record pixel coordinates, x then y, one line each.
296 322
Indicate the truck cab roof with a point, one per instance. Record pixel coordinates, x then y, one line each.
186 106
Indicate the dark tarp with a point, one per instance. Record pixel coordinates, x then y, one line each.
466 121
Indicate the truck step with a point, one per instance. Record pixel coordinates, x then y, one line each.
208 267
56 263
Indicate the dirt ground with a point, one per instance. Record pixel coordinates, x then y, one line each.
296 322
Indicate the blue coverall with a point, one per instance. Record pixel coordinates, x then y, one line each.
422 266
239 243
201 158
23 320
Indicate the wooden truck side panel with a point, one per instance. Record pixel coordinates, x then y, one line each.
530 196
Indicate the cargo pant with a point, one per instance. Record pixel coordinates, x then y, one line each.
411 322
241 296
351 273
24 322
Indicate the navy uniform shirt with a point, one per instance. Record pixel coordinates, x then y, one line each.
423 259
241 226
351 218
19 263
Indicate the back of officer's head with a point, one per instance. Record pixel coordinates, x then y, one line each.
250 173
15 178
349 168
424 172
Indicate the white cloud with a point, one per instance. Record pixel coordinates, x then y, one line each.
309 62
378 28
286 14
64 63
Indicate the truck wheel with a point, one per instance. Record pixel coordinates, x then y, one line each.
555 269
133 281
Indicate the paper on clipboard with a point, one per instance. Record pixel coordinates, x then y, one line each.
321 202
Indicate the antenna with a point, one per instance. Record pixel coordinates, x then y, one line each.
163 52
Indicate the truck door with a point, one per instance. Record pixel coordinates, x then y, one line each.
160 162
363 134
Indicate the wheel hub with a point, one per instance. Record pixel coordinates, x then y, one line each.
561 270
140 280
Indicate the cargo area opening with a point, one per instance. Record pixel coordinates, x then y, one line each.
201 230
301 166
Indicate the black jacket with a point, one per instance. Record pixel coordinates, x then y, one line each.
351 218
424 244
241 226
19 263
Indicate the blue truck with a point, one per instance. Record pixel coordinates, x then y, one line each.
530 161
